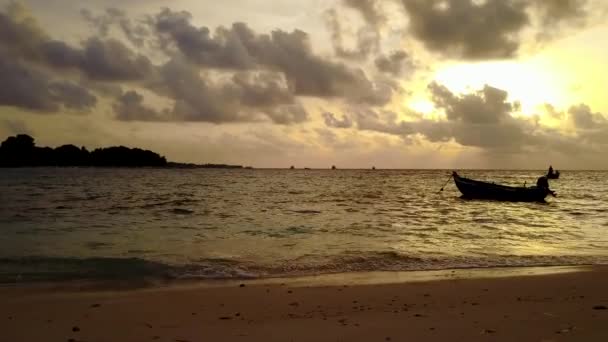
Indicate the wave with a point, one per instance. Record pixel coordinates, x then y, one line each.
35 269
44 269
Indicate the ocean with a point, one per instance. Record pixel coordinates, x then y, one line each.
59 224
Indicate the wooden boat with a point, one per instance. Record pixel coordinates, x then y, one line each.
473 189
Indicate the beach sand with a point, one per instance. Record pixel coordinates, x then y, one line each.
548 305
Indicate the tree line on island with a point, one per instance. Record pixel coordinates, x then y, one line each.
21 151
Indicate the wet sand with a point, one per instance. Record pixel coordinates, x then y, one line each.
446 306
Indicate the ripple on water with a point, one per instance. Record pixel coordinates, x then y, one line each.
182 211
343 219
307 211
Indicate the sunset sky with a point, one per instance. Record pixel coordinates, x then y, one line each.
351 83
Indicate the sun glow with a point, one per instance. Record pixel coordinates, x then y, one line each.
531 83
422 106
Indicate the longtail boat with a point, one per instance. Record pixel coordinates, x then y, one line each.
473 189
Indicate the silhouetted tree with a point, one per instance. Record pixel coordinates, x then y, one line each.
18 151
70 155
21 151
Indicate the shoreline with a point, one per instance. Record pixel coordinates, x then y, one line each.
329 279
540 304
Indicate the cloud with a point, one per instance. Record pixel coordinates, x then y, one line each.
244 97
368 38
488 105
231 75
583 118
556 15
104 60
225 50
556 11
332 121
491 29
484 119
72 95
19 32
240 48
136 33
369 9
262 89
32 89
288 114
130 107
394 63
467 28
107 59
111 60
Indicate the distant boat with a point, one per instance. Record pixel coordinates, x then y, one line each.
333 167
553 175
473 189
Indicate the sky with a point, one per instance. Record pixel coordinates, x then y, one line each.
518 84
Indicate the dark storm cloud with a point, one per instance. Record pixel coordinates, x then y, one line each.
393 63
466 29
240 48
32 89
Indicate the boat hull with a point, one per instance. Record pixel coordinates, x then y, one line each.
473 189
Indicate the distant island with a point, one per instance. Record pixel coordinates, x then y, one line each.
21 151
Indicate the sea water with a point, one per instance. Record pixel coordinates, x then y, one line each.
86 223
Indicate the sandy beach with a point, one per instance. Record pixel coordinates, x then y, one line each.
550 305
